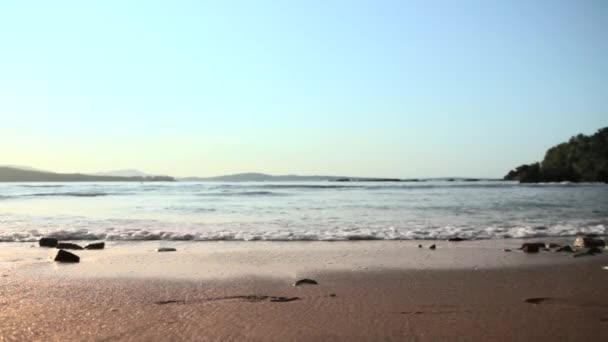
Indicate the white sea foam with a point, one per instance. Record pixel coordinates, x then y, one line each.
308 211
442 233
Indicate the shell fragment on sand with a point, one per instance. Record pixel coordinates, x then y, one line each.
588 242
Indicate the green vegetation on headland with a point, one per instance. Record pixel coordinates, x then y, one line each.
10 174
582 159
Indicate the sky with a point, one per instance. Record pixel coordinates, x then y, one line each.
355 88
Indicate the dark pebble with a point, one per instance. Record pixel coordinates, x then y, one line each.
65 256
48 242
566 249
305 281
531 247
97 245
533 244
67 245
166 249
433 247
536 300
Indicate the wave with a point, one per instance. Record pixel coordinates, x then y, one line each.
40 186
400 186
347 234
68 194
242 193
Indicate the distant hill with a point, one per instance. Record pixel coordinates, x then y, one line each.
125 173
582 159
21 167
12 174
257 177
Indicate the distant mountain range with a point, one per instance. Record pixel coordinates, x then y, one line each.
20 174
125 173
28 174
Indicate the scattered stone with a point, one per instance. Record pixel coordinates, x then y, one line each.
433 247
507 250
553 245
419 246
305 281
166 249
566 249
590 251
538 245
65 256
333 294
67 245
48 242
588 242
96 245
536 300
456 239
283 299
530 248
171 301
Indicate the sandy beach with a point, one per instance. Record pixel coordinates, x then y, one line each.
244 291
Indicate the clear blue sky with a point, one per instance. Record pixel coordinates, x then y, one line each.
364 88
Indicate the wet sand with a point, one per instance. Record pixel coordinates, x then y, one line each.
356 301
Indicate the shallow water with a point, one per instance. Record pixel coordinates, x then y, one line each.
299 210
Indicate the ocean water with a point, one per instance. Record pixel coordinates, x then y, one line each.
287 211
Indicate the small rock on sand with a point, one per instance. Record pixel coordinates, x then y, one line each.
67 245
166 249
65 256
433 247
536 300
97 245
566 249
48 242
530 248
533 244
507 250
305 281
590 251
419 246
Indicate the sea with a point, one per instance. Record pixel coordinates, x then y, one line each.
300 211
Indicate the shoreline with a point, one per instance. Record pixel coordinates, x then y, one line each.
367 290
219 260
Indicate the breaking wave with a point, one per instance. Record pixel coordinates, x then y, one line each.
347 234
69 194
